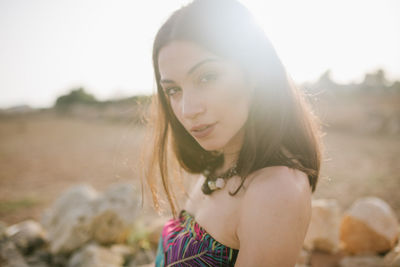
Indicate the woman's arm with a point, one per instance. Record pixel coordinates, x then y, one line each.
274 218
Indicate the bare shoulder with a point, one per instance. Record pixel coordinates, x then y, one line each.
279 176
274 216
277 188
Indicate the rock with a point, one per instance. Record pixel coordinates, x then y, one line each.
125 251
59 260
80 215
370 225
121 198
116 211
323 231
40 258
303 258
142 257
325 259
361 261
27 235
9 254
392 259
108 227
68 221
93 255
147 265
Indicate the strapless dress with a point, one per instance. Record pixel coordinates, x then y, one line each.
183 242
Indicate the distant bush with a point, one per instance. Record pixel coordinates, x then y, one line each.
134 100
77 96
80 104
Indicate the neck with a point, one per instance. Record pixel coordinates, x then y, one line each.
231 152
230 158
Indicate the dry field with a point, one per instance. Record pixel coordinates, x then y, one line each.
43 155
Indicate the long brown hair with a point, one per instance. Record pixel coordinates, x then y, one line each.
281 128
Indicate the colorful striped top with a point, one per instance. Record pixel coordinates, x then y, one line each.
183 242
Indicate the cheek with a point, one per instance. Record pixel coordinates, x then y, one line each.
176 110
236 88
236 103
233 111
236 95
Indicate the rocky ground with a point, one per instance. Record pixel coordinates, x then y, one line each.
42 155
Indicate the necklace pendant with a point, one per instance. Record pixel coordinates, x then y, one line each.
206 190
212 185
214 182
220 183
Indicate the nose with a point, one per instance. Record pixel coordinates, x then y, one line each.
192 106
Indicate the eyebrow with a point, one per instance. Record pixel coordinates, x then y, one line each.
192 69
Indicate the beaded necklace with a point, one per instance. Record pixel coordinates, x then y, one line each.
215 182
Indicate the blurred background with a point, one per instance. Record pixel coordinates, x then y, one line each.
76 76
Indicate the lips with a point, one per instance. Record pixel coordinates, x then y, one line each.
200 127
202 130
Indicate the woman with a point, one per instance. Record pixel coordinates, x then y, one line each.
231 116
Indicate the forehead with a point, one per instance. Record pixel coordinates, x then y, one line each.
179 56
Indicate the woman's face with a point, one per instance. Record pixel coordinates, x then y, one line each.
209 95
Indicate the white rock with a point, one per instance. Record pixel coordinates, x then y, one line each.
142 257
81 214
26 234
93 255
303 258
116 211
392 259
361 261
323 231
10 256
370 225
146 265
123 250
68 221
121 198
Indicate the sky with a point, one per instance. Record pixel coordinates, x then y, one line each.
49 47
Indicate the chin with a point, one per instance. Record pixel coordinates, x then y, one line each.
210 146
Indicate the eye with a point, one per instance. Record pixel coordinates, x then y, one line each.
208 77
171 91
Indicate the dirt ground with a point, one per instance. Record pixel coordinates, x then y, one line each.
41 156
